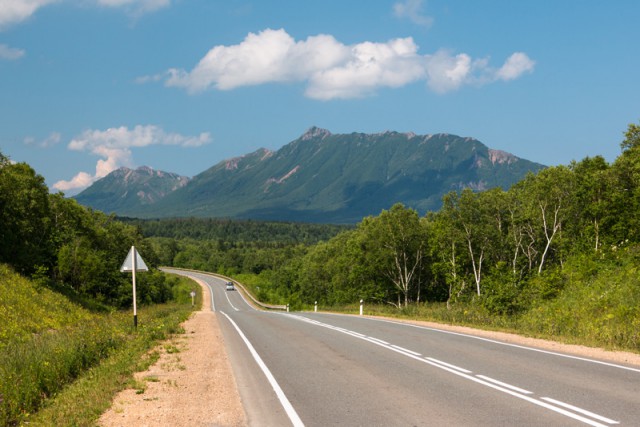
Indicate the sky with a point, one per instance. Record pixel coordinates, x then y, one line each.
88 86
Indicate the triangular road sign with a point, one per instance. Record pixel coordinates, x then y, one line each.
128 262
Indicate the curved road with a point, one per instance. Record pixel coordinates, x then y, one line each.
318 369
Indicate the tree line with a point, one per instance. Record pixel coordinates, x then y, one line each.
67 246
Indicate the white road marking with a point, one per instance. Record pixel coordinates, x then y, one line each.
553 353
494 384
466 371
230 303
291 412
500 383
406 350
580 410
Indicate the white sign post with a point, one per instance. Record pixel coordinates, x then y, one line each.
193 296
133 263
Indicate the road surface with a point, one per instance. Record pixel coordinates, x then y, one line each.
319 369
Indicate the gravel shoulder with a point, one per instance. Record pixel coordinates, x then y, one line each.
192 383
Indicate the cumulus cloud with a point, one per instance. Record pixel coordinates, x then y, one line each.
270 56
15 11
10 53
412 10
331 69
114 145
369 66
516 65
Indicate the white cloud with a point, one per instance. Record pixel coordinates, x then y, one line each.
516 65
14 11
370 66
269 56
10 53
412 9
334 70
114 147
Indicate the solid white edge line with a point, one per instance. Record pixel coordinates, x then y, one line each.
580 410
512 387
291 412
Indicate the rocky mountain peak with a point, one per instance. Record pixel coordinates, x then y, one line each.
315 132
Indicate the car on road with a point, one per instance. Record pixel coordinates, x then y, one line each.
230 286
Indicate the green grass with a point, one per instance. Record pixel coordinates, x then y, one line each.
61 364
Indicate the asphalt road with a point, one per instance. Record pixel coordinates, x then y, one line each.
319 369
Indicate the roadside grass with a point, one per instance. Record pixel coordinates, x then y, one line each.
596 306
65 368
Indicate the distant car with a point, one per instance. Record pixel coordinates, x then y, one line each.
230 286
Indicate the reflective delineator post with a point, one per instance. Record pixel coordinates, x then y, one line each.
315 307
361 306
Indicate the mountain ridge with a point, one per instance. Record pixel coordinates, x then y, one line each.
326 177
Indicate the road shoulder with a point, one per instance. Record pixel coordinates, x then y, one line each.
192 383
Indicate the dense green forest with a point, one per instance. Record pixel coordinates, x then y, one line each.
67 246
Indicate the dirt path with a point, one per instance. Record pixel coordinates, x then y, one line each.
192 383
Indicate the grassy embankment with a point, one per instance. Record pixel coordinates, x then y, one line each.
61 364
593 303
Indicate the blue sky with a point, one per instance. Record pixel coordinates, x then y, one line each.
87 86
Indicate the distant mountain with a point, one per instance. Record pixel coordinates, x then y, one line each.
125 189
322 177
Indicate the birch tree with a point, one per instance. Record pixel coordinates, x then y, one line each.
397 242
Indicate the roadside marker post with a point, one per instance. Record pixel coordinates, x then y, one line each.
315 307
193 301
133 263
361 306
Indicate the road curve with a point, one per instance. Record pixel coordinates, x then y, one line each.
319 369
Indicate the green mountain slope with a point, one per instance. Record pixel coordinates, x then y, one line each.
321 177
126 189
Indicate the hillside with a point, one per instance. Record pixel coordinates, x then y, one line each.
125 188
322 177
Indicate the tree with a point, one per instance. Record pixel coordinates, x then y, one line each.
396 241
593 197
626 198
24 218
549 197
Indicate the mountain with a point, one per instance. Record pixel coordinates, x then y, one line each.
322 177
126 189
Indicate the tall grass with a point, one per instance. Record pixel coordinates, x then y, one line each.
47 342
